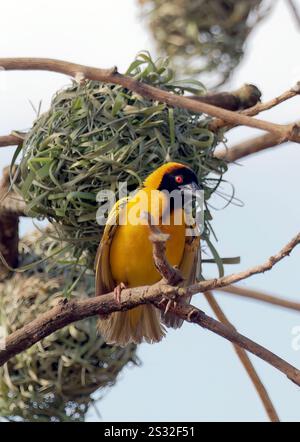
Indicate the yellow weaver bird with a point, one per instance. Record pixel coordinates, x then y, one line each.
125 254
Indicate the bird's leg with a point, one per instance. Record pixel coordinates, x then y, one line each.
169 301
118 290
177 278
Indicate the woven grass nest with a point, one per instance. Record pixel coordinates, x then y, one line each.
203 36
96 135
54 379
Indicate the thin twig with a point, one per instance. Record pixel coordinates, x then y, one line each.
262 107
243 98
198 317
245 360
261 296
112 76
218 283
259 107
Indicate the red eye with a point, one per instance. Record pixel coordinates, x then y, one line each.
179 179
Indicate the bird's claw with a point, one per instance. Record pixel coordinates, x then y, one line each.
170 303
118 291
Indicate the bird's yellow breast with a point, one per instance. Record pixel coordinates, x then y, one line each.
131 252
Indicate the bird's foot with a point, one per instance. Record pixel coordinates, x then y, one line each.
118 290
170 303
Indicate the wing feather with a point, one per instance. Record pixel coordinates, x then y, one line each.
104 280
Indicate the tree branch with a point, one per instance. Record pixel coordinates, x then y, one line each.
9 227
287 132
259 107
10 202
10 140
67 312
260 296
243 98
218 283
262 107
246 361
163 292
198 317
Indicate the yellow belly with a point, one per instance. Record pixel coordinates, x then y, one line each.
131 256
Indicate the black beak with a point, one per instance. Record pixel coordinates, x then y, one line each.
190 188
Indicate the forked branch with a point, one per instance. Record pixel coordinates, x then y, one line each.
286 132
67 312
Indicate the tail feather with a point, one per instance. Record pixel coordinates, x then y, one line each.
141 324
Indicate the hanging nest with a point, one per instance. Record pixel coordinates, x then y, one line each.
55 378
97 135
203 36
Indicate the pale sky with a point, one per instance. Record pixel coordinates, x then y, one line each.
192 374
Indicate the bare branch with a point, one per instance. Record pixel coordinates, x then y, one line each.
9 228
243 98
13 204
260 107
9 240
169 273
261 296
245 360
10 202
10 140
67 312
198 317
212 284
287 132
